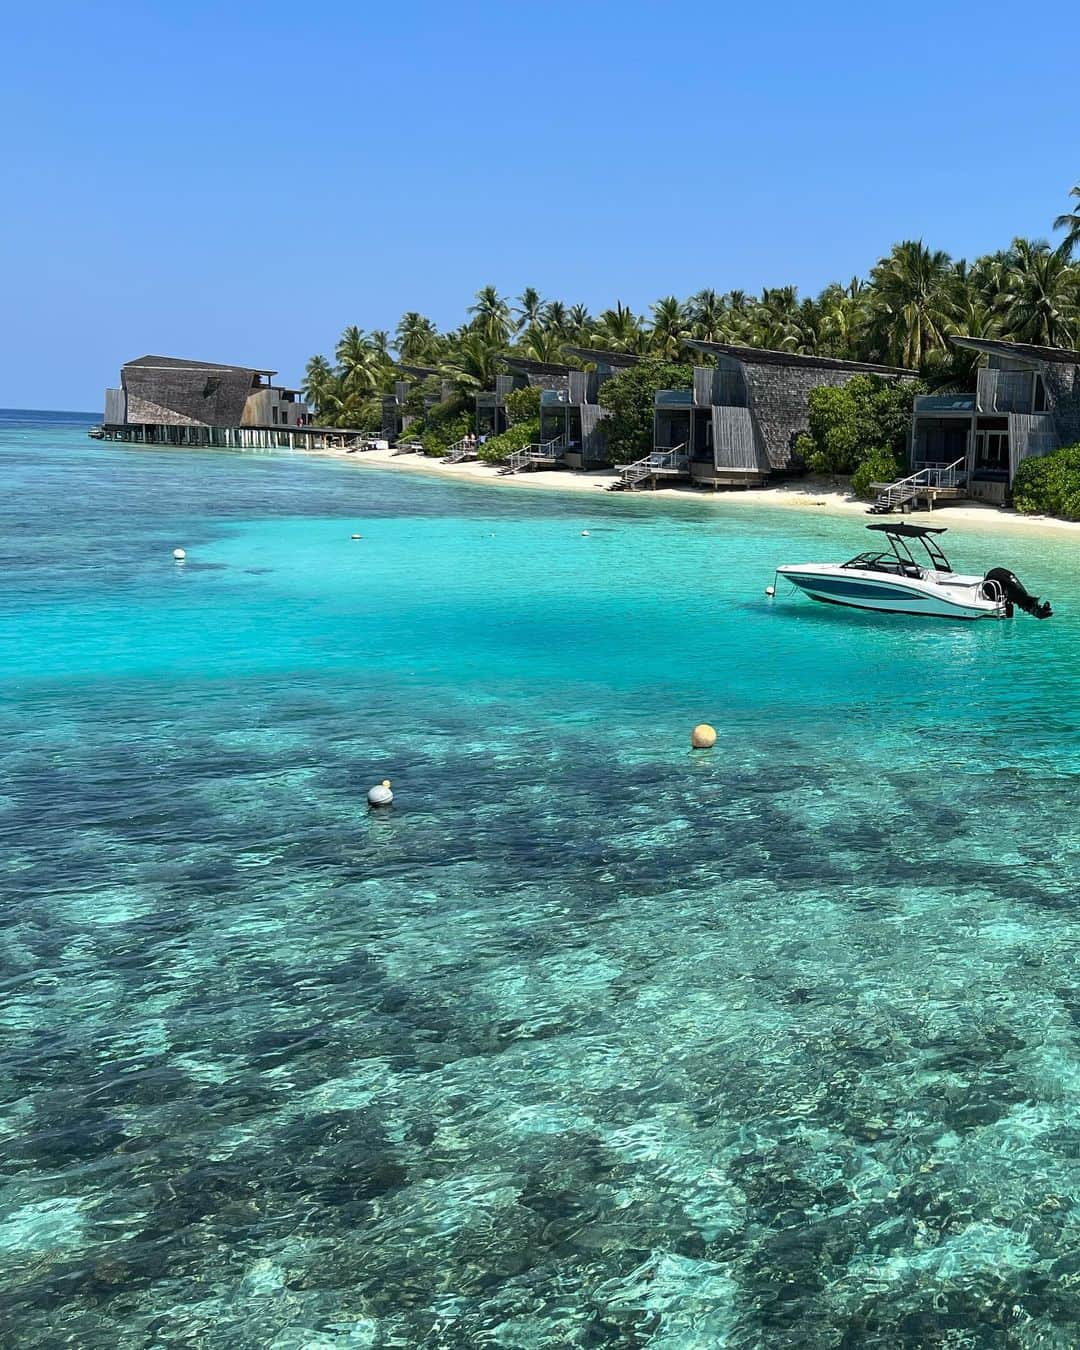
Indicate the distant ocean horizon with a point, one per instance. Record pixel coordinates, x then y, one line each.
46 416
589 1039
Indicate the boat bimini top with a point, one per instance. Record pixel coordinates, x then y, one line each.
898 558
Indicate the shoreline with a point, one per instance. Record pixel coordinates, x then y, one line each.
804 494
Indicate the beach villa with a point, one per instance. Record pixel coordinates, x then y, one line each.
738 423
571 418
574 415
1026 402
521 373
395 412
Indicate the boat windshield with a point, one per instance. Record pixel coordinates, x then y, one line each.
885 562
900 560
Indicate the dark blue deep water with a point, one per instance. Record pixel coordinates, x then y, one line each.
589 1041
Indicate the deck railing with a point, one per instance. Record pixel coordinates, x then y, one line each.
933 403
539 452
915 484
671 461
459 450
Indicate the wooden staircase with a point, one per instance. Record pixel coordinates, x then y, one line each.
673 463
460 450
931 482
540 454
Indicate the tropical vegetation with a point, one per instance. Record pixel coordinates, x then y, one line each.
1050 485
903 313
629 400
498 449
859 428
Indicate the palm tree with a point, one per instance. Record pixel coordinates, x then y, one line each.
914 302
1070 221
778 321
620 328
844 317
981 282
350 408
529 308
320 383
670 326
473 362
491 314
555 316
1039 299
579 322
416 339
707 316
740 316
358 361
541 344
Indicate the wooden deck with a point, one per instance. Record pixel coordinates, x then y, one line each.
924 498
929 484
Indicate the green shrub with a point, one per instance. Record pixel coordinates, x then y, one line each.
878 466
522 405
630 398
803 447
441 425
450 410
438 437
1050 485
414 401
865 416
498 449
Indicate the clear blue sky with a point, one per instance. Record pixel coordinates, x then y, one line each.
238 183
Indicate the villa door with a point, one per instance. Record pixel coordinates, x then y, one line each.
992 451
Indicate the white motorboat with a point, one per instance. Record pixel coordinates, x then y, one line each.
894 581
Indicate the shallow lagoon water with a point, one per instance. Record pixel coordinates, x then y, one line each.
589 1040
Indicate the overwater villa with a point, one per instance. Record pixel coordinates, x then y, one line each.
738 423
1026 402
172 401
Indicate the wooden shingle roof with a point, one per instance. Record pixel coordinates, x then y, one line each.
764 356
181 363
419 372
531 367
1019 351
600 357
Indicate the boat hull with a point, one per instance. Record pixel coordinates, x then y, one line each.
893 595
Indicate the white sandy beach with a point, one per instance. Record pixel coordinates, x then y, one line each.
798 494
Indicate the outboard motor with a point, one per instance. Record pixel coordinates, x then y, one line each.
1016 594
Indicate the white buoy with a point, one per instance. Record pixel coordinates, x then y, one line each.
770 590
380 795
179 554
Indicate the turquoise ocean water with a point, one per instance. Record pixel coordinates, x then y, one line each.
589 1041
